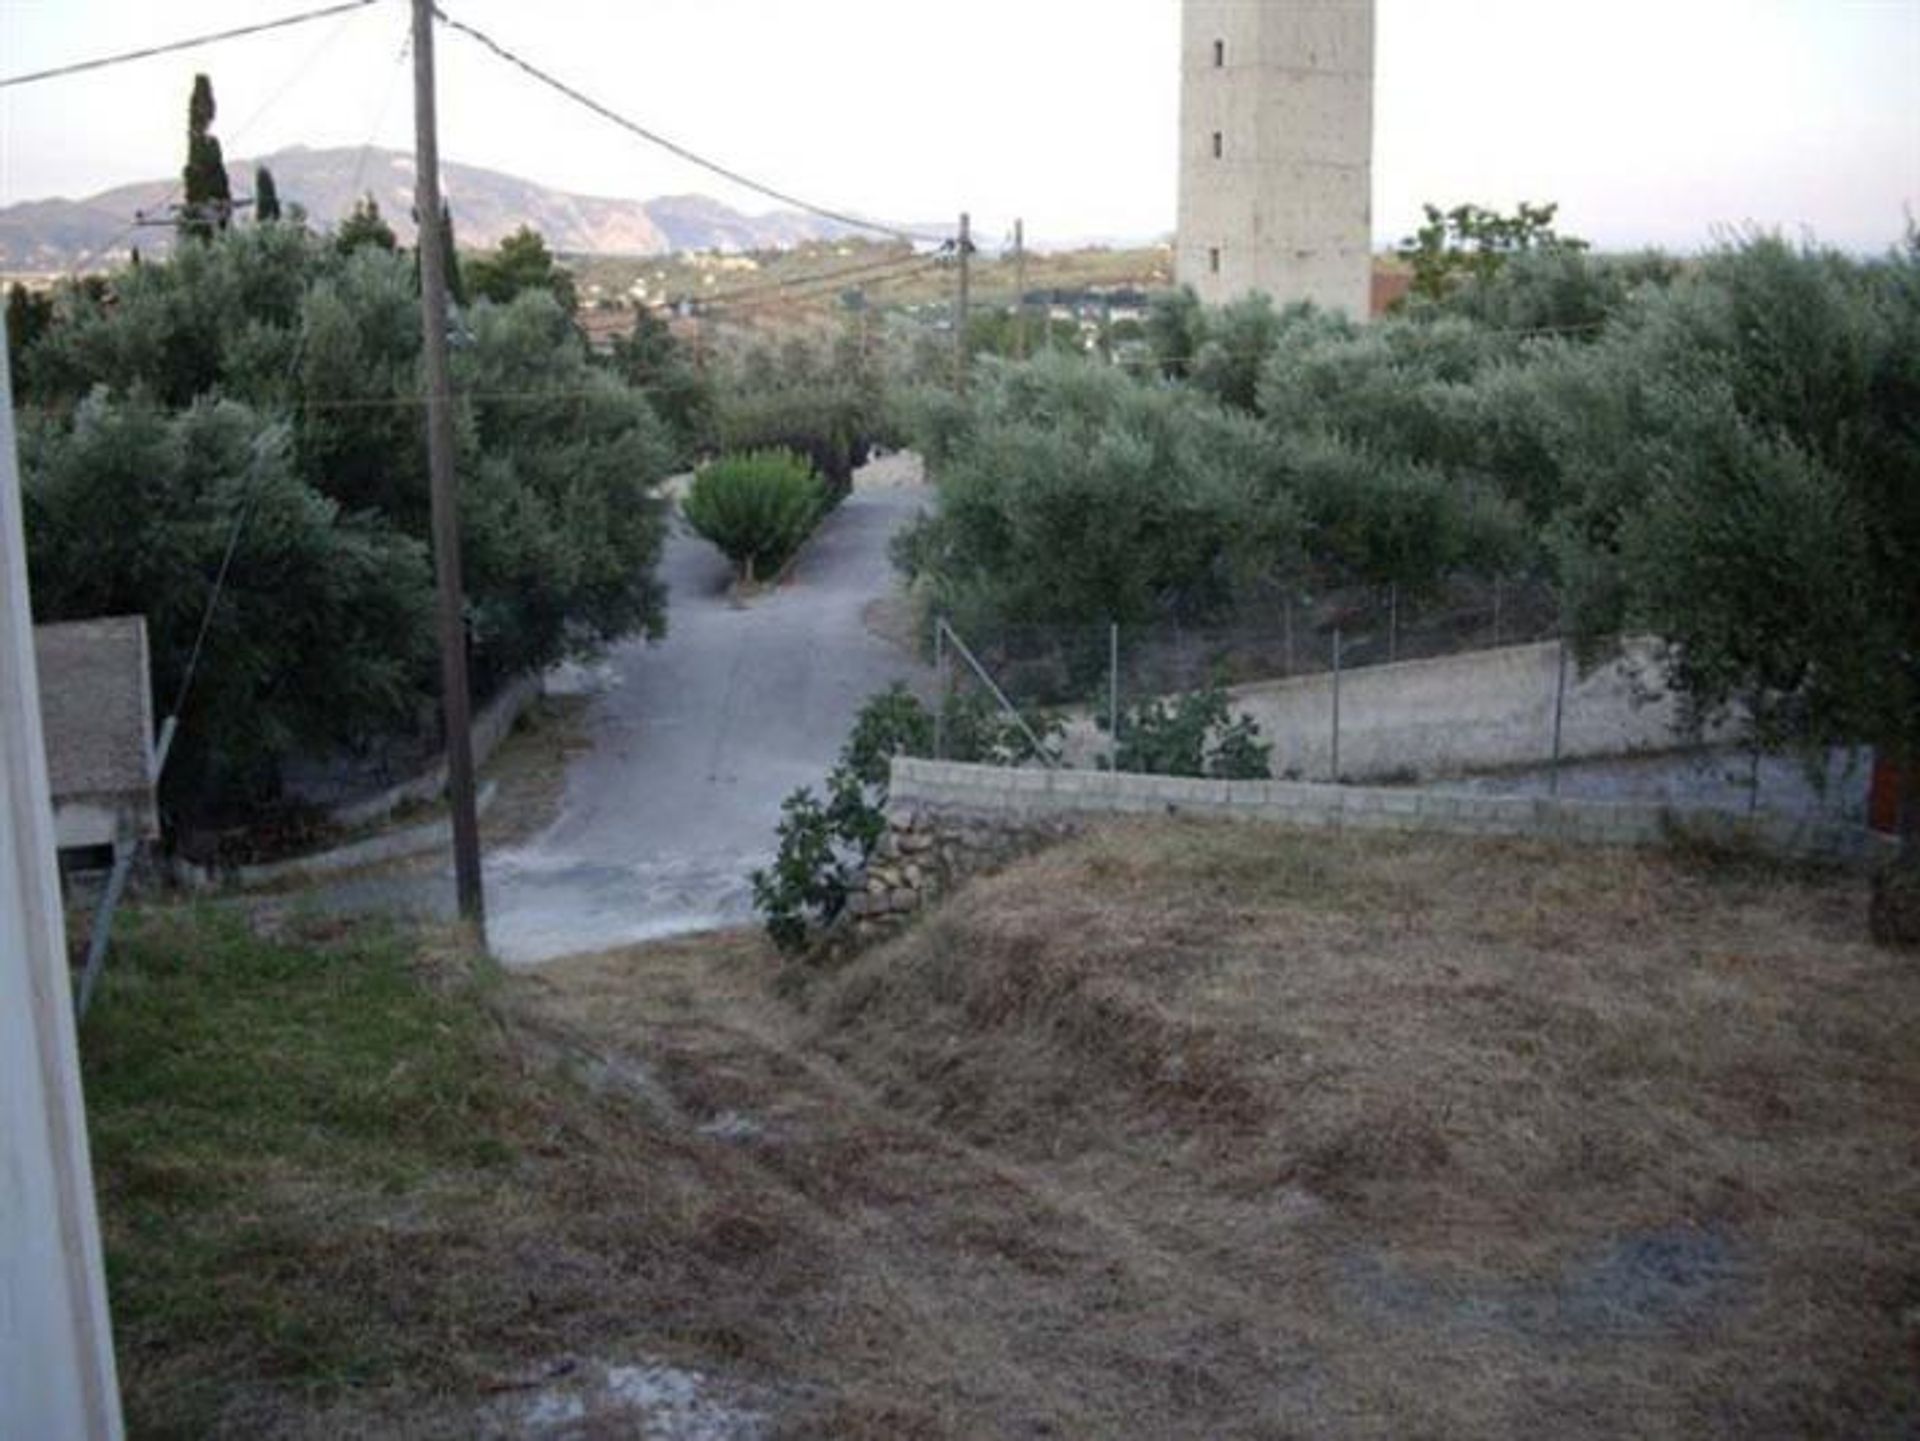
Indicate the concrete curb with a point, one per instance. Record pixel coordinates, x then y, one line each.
491 726
373 851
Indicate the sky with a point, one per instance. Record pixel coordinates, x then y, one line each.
1651 122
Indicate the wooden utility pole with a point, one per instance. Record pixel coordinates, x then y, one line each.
963 306
1020 289
446 500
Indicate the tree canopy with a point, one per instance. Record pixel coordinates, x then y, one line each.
1724 454
522 263
270 379
1471 243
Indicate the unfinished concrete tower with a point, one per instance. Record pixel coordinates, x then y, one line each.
1276 151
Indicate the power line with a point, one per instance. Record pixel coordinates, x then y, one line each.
380 115
750 302
103 61
827 278
291 407
234 137
673 147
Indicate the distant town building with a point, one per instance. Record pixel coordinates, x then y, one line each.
1276 151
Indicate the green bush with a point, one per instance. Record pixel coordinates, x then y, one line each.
821 848
824 843
893 723
1192 735
756 507
979 732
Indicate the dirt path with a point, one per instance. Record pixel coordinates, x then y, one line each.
968 1293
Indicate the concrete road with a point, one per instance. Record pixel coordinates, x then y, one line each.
695 740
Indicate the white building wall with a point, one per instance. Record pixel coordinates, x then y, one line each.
56 1350
1287 205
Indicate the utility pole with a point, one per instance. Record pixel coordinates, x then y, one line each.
963 306
1020 289
446 500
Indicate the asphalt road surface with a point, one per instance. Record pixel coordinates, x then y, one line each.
695 740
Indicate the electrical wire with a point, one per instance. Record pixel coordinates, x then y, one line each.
104 61
240 520
774 299
652 137
826 278
380 115
293 78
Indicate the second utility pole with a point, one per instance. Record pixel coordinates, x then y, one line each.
1020 290
432 238
963 306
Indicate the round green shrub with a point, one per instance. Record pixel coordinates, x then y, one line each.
755 507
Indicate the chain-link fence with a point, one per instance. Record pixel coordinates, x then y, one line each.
1053 665
1473 689
1100 672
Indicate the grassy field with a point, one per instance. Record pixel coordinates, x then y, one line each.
1176 1130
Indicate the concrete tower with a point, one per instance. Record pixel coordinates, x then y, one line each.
1276 151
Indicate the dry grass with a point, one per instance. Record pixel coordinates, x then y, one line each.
1176 1130
1504 1139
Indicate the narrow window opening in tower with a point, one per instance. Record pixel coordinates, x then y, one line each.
1213 260
1219 54
1219 145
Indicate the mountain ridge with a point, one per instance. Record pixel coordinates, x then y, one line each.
58 234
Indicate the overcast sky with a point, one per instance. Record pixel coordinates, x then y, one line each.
1650 121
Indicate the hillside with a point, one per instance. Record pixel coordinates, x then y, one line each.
1177 1130
51 235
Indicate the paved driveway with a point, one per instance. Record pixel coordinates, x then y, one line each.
695 742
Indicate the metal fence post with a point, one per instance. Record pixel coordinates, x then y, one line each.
944 688
993 689
1559 715
1393 622
1113 690
1334 768
1496 610
1286 620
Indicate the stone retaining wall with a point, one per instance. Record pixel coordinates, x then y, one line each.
1028 796
923 855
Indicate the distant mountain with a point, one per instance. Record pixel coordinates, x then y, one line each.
55 235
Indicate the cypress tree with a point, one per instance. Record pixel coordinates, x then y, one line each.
209 200
266 197
456 282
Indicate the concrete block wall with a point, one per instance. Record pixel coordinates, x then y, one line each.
1032 794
